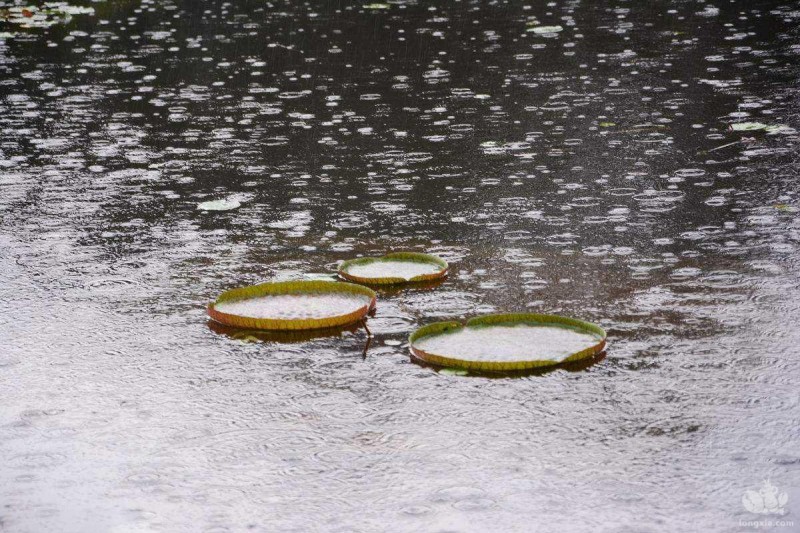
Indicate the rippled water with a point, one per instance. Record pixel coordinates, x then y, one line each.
589 172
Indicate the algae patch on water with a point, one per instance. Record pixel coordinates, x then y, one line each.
498 343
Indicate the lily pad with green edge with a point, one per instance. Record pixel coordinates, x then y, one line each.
293 305
507 342
394 268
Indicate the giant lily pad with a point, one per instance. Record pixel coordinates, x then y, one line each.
507 342
398 267
293 305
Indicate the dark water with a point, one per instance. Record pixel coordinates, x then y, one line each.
589 172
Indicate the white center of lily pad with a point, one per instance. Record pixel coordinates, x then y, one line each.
393 269
295 306
523 342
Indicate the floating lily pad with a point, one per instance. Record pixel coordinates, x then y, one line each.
377 6
771 129
293 305
508 342
225 204
541 30
49 14
398 267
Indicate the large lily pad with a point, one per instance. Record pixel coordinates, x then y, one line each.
293 305
398 267
507 342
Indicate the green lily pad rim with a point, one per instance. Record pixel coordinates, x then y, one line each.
276 288
415 257
506 319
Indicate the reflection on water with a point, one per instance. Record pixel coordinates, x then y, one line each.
289 336
591 172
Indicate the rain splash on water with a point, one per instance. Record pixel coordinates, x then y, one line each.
573 157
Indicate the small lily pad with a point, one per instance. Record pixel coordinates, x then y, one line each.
293 305
49 14
398 267
377 6
67 9
541 30
507 342
225 204
770 129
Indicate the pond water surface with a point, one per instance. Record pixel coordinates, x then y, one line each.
587 170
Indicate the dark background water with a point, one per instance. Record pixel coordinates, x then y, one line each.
590 172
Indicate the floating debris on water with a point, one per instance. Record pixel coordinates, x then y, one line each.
49 14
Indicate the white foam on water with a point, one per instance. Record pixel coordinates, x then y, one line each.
523 342
295 306
393 269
